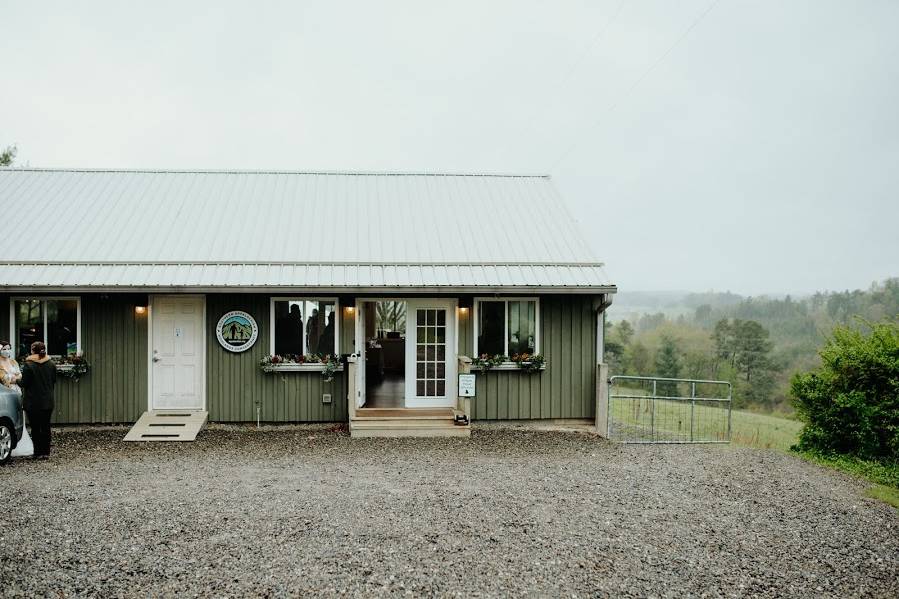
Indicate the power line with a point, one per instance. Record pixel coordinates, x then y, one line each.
636 83
562 83
601 35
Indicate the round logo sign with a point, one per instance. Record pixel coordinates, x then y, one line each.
237 331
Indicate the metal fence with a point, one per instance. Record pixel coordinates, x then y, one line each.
659 410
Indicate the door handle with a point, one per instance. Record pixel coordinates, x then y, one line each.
156 357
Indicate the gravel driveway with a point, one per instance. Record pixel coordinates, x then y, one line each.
305 509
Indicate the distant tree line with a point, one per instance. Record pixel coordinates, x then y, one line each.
757 344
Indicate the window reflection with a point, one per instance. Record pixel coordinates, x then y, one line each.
507 327
491 328
29 324
305 327
522 327
62 331
55 318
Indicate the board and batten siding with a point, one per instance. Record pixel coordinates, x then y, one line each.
235 382
114 341
566 389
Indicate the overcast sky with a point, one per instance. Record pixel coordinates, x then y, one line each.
753 147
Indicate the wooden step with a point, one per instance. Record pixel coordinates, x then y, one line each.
402 423
167 425
404 413
409 431
407 422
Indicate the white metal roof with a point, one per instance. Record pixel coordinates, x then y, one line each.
116 229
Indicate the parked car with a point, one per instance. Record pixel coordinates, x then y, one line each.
12 421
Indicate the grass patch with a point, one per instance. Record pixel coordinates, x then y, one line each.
671 420
884 476
764 431
876 472
884 494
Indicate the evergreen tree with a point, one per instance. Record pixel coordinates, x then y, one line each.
667 365
724 337
637 361
753 349
625 332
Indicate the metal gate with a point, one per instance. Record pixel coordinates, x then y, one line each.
659 410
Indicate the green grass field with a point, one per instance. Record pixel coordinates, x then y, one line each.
671 421
764 431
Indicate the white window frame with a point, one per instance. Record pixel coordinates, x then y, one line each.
505 299
292 298
14 333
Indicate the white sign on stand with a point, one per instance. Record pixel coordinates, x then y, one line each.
466 385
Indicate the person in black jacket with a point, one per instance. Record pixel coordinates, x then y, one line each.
38 381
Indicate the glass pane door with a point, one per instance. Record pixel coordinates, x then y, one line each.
431 354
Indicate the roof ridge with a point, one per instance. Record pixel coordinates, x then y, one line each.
279 172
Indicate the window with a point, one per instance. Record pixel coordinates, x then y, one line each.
55 321
302 326
507 326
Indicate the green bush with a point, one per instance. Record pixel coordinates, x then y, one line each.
850 404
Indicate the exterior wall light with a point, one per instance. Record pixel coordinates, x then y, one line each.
140 309
350 309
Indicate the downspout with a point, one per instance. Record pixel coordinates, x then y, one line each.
600 304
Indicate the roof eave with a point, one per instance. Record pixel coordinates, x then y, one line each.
375 290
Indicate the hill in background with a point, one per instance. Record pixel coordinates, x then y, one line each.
758 343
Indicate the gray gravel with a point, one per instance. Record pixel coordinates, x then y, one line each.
306 510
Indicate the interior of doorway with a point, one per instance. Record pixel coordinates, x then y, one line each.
385 353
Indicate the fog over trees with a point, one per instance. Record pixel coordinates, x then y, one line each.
756 343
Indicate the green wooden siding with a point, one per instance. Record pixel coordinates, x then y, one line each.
235 383
566 389
114 341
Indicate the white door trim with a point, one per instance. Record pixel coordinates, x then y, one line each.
359 349
203 334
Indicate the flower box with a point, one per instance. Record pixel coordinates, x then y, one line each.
325 365
294 367
72 367
524 362
509 365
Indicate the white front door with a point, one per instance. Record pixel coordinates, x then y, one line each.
430 353
177 345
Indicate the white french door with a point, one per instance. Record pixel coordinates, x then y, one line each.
361 342
178 350
430 353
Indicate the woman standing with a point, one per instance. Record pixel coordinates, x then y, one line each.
10 375
38 381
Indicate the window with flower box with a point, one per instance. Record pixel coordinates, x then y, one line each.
54 320
303 326
506 326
